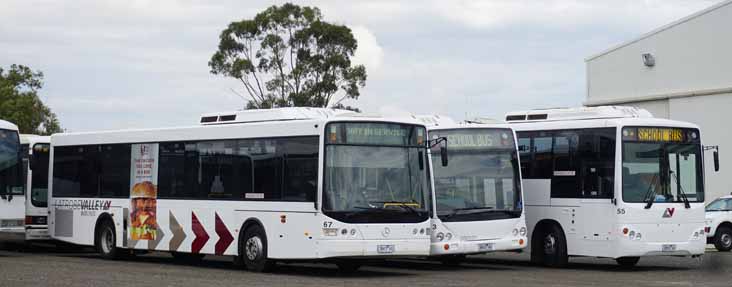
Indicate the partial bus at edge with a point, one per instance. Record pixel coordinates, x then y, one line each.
477 190
11 184
610 182
285 184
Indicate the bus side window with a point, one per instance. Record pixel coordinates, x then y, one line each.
565 175
597 162
114 170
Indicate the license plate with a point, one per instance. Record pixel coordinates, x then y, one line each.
11 223
668 247
385 249
486 247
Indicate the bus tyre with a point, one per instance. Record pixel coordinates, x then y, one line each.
253 250
627 261
553 247
106 241
348 266
723 239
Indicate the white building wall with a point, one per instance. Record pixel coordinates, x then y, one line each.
691 81
692 55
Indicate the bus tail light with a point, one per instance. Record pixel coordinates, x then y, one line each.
36 220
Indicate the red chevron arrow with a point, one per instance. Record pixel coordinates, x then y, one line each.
225 237
201 235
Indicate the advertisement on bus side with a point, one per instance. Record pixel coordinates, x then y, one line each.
143 193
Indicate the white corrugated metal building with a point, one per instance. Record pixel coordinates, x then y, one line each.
681 71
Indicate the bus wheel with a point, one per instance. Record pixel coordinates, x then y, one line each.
106 241
554 247
723 239
627 261
348 266
452 260
253 250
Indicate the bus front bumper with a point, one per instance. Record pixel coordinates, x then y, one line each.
37 233
628 248
373 248
14 234
477 246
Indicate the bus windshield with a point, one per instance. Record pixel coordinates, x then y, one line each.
39 181
481 181
662 165
373 173
10 165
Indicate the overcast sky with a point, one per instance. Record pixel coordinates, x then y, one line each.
137 64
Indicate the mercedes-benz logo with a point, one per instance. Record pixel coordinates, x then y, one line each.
386 232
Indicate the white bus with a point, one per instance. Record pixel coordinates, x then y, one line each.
477 192
35 151
260 185
12 208
610 182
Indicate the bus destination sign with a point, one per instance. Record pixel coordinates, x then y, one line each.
660 134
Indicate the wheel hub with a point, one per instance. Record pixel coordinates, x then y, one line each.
726 240
253 248
107 240
550 244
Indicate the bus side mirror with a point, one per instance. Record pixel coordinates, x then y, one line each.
716 161
443 155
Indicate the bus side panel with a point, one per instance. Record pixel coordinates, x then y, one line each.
213 227
73 220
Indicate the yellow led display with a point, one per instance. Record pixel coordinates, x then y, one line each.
660 135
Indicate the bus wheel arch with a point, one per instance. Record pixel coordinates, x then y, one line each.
723 237
252 247
549 244
105 239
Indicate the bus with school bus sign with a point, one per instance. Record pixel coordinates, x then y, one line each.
477 191
611 182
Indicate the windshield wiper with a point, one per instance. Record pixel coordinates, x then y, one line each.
457 211
682 193
650 193
404 205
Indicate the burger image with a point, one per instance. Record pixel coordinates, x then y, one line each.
143 223
144 220
144 189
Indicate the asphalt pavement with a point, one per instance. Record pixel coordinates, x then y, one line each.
47 266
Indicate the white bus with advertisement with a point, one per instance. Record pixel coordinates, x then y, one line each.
610 182
477 192
260 185
12 203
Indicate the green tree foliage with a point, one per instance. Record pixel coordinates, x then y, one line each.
19 102
288 56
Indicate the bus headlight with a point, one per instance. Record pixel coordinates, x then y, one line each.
631 235
515 231
522 231
448 236
440 236
638 236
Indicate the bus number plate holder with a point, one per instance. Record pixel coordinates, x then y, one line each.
668 248
486 247
385 249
